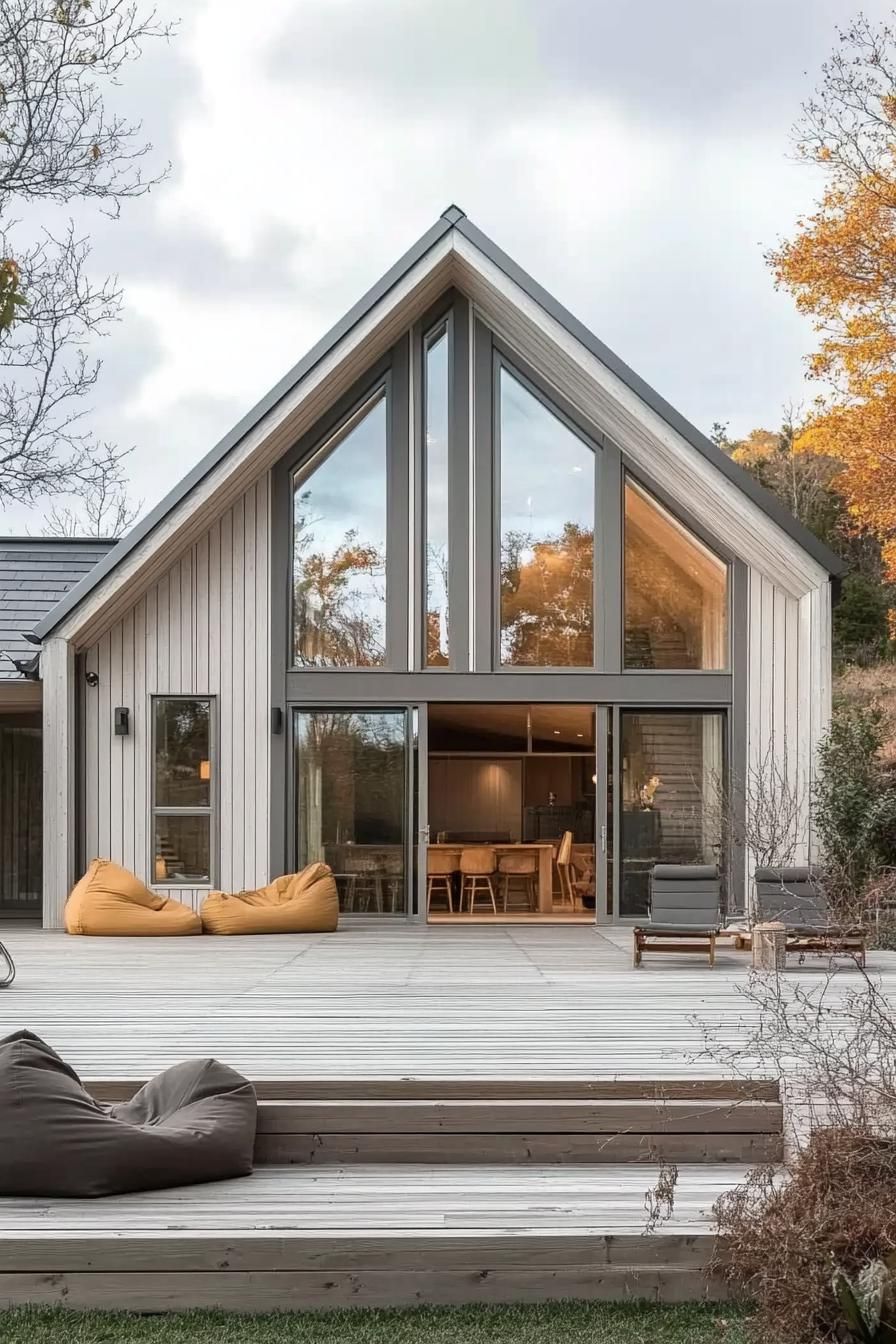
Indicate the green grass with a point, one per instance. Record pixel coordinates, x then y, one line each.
547 1323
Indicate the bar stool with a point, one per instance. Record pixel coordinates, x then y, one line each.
521 869
441 865
477 865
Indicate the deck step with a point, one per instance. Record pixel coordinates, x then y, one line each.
292 1238
513 1121
519 1130
483 1089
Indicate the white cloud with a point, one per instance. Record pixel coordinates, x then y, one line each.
315 141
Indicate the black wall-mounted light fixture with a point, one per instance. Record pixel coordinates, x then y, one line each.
92 678
276 720
122 721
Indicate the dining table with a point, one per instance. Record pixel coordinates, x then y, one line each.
544 852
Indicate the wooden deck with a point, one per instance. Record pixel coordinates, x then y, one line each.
449 1115
384 1001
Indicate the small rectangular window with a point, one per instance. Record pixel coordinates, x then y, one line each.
184 779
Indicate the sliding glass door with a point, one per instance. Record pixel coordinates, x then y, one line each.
352 803
669 783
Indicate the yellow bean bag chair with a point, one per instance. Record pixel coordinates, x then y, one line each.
110 901
305 902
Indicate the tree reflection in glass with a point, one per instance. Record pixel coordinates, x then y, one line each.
547 536
339 549
351 801
437 501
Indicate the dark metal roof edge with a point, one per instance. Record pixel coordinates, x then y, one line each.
281 389
452 218
766 501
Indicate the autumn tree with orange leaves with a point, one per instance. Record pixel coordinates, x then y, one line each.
841 269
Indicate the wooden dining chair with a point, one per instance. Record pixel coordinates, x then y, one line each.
441 865
477 867
519 870
565 871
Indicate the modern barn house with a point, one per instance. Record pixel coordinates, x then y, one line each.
460 578
461 591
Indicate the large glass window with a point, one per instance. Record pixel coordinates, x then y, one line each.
676 591
436 428
183 787
339 547
672 775
351 801
547 476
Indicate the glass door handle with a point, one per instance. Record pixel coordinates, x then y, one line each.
424 835
603 839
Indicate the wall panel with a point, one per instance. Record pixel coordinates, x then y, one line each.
788 694
202 629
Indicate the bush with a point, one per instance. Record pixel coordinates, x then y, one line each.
854 805
837 1207
861 620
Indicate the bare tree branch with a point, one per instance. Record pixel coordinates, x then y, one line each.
100 504
59 144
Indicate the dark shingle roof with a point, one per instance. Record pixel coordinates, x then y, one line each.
35 573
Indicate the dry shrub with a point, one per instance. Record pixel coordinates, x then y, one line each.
831 1043
837 1206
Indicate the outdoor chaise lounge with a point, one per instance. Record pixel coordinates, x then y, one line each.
684 911
306 902
793 897
109 901
193 1123
7 976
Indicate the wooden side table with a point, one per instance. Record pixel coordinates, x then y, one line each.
769 947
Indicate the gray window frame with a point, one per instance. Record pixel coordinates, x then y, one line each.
212 811
452 312
711 546
474 673
391 375
502 362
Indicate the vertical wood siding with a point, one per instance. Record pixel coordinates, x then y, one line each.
789 689
201 629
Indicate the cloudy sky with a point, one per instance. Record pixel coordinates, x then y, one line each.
635 157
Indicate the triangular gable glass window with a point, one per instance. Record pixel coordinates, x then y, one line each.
339 546
676 591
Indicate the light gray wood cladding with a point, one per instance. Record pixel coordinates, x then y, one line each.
202 629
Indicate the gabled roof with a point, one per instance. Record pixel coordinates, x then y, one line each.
453 220
35 574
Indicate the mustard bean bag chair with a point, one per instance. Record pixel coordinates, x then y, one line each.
305 902
110 901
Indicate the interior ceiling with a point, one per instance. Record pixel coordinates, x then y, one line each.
569 723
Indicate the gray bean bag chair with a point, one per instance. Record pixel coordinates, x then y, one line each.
192 1123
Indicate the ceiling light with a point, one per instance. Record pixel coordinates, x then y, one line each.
580 734
556 732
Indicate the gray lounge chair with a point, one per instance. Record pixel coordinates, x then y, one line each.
794 897
685 900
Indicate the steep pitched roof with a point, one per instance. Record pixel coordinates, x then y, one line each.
453 220
35 574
